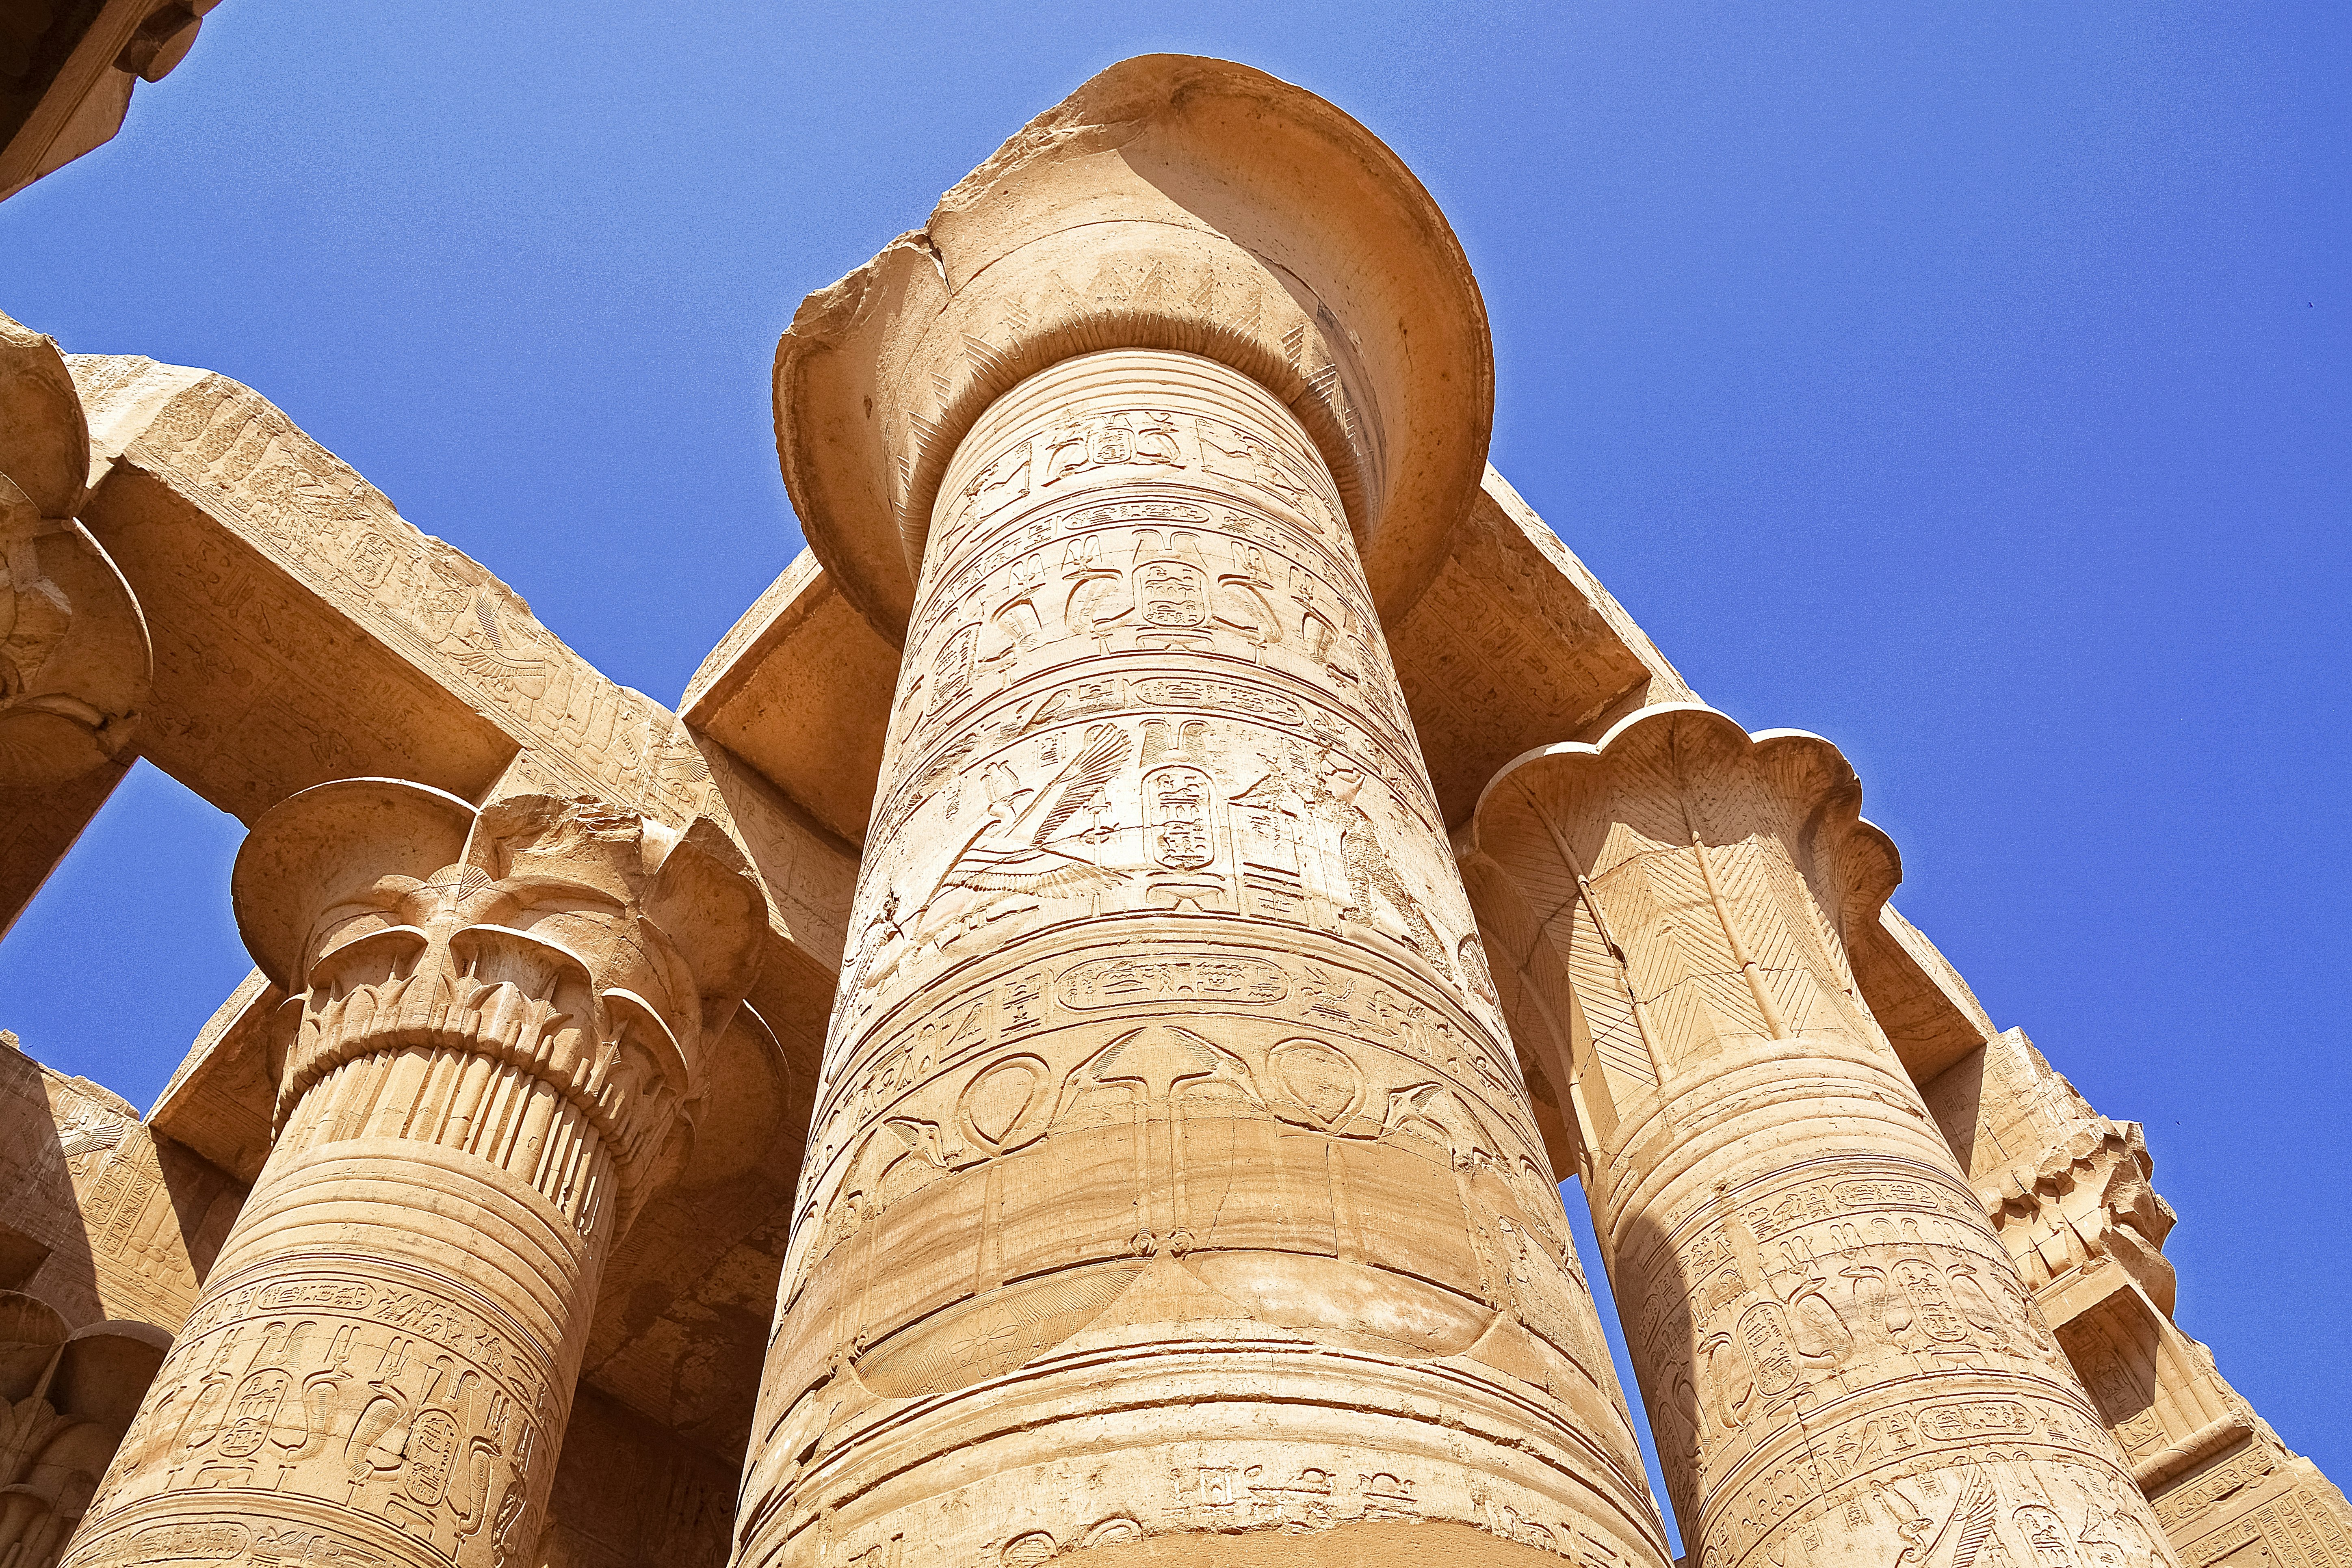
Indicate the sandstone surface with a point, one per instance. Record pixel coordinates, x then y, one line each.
1065 1043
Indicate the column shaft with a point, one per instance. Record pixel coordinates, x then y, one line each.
1840 1363
490 1055
385 1350
1170 1174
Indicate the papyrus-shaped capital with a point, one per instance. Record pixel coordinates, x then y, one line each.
592 947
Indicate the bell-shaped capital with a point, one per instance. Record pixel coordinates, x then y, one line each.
43 441
1677 773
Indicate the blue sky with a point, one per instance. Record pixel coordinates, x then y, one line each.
1965 382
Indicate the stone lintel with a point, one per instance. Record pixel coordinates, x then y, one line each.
1930 1016
800 691
38 823
83 66
281 585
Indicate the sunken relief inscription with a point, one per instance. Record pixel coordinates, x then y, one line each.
1164 1041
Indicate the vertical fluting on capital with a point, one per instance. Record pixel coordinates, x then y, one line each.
491 1053
1841 1365
1170 1175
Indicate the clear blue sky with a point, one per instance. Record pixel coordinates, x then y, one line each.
1965 382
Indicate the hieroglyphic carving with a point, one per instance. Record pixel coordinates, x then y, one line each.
343 538
1840 1360
491 1053
1163 1036
123 1223
367 1389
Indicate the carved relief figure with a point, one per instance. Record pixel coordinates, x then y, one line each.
1181 1041
491 1055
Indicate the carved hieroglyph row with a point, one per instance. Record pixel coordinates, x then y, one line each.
1165 1043
490 1054
1840 1363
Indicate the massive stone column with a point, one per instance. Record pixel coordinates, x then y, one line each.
1173 1185
75 661
1171 1170
493 1051
1840 1363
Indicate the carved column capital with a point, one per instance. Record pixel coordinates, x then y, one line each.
589 947
75 660
1667 774
1839 1357
1170 203
495 1038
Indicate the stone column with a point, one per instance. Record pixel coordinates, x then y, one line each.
1170 1175
1840 1363
75 661
492 1052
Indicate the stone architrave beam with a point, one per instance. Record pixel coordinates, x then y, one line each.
1840 1360
71 84
75 662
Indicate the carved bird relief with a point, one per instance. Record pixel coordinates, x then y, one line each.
1372 870
1023 852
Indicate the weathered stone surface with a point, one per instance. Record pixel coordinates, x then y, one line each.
1151 1163
68 1396
105 1234
628 1493
74 656
1170 203
1839 1357
2069 1194
69 85
799 689
1167 1041
103 1220
497 1042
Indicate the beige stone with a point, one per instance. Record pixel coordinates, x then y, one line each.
74 656
2069 1194
1839 1356
493 1051
105 1231
1166 1044
1170 203
79 66
1063 1041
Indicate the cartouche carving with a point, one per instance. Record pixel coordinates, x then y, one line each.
492 1051
1164 1044
1840 1363
1170 1181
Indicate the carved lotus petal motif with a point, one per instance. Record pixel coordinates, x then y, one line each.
499 954
370 957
